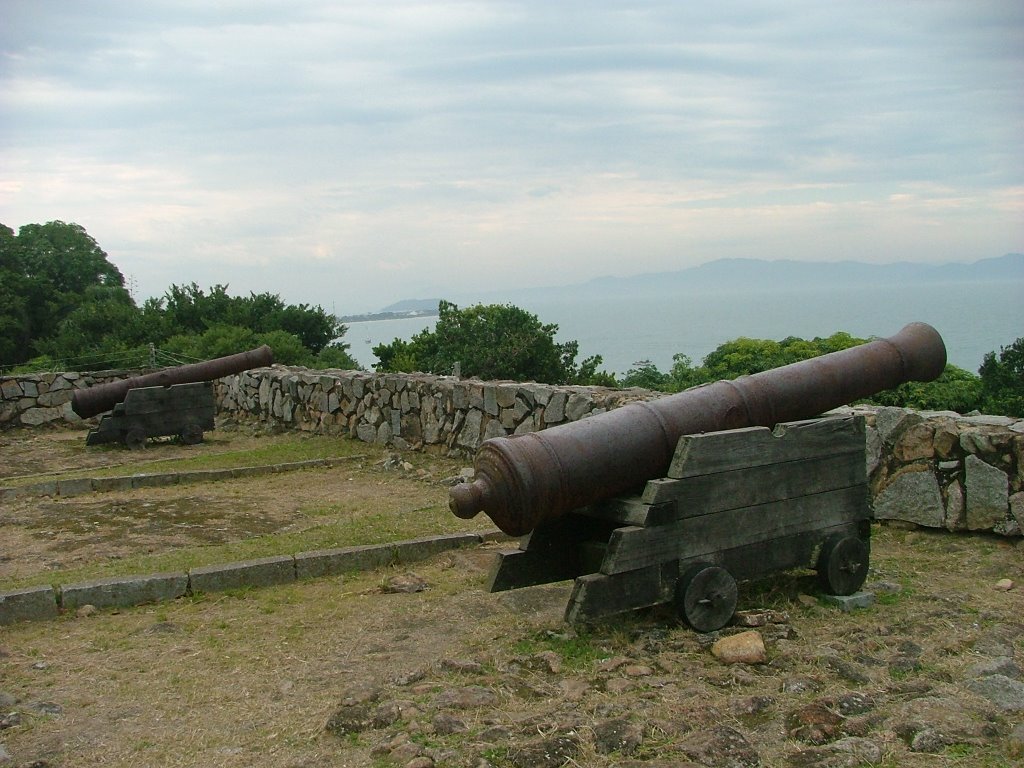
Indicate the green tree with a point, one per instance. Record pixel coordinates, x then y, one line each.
62 299
744 356
490 341
312 325
683 374
645 374
954 390
15 335
219 340
335 356
397 357
288 348
47 270
1002 380
103 331
189 311
65 258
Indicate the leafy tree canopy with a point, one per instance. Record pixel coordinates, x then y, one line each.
63 302
490 341
645 374
955 390
188 309
1002 380
998 390
46 272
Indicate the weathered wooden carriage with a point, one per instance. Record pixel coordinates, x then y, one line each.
182 410
734 505
736 487
172 401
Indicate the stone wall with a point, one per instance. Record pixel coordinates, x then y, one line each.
944 470
939 470
31 400
408 410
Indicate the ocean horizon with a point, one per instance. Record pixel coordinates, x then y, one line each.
973 318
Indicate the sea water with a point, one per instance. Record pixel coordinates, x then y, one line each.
973 319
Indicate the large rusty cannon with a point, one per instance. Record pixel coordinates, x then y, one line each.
175 401
522 482
99 399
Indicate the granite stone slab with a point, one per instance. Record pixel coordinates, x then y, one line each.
332 562
123 591
31 604
262 572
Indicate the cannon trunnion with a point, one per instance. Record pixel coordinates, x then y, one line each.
734 505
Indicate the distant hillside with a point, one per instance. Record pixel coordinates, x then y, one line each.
398 310
413 305
759 273
739 274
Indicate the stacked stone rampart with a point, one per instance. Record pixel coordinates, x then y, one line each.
934 469
409 410
944 470
35 399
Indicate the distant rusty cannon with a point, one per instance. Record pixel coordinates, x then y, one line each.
103 397
522 482
174 401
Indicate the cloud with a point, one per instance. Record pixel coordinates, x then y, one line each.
308 143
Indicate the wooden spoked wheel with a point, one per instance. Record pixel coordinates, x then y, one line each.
706 597
191 434
843 565
135 439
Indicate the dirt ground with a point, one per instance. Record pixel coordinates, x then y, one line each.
49 535
421 666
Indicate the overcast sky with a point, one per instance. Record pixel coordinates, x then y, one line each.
352 154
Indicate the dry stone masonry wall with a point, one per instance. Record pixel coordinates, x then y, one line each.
36 399
934 469
408 410
944 470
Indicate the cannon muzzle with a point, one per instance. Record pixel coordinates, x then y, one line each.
524 481
101 398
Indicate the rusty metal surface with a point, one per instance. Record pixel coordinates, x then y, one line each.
524 481
101 398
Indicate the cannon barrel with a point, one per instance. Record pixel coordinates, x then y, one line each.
523 481
101 398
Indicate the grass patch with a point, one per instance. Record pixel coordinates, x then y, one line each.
577 650
893 598
285 449
374 528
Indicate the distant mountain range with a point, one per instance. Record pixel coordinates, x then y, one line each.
760 273
739 274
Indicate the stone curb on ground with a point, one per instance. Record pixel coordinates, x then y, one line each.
82 485
31 604
123 591
47 602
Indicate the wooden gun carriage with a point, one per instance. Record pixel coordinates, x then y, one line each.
734 505
173 401
184 410
736 486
